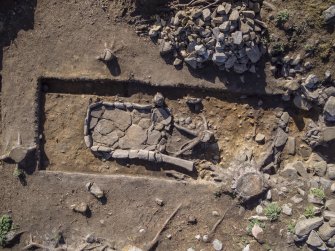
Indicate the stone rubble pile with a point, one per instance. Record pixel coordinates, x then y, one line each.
228 35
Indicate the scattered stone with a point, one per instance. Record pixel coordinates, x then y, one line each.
315 200
198 237
290 145
165 47
215 213
90 238
281 138
329 109
259 210
159 202
326 231
328 215
330 205
315 241
260 138
250 185
205 238
296 199
311 81
95 190
301 169
192 220
80 208
177 62
217 245
287 209
258 233
301 103
317 165
305 226
289 172
332 188
329 15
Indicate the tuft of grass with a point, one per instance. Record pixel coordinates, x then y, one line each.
278 48
324 51
18 173
254 222
272 211
291 227
282 17
6 223
309 212
318 192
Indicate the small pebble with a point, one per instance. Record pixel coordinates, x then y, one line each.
159 202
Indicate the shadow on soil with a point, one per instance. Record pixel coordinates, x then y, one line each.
14 16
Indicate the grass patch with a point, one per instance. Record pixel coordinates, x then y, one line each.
18 173
318 193
282 17
254 222
309 212
291 227
272 211
324 50
6 223
278 48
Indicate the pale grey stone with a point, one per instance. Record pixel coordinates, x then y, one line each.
217 245
305 226
260 138
314 240
253 53
326 231
287 209
234 16
329 15
329 109
281 138
290 145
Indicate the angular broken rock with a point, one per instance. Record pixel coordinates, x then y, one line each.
258 233
281 138
326 231
301 103
95 190
315 241
305 226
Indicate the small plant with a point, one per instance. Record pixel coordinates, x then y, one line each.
254 222
291 227
309 48
18 173
318 193
278 48
282 17
324 51
5 226
309 212
272 211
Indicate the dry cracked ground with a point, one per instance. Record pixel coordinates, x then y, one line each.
167 125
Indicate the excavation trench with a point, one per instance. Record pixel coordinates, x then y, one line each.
234 120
